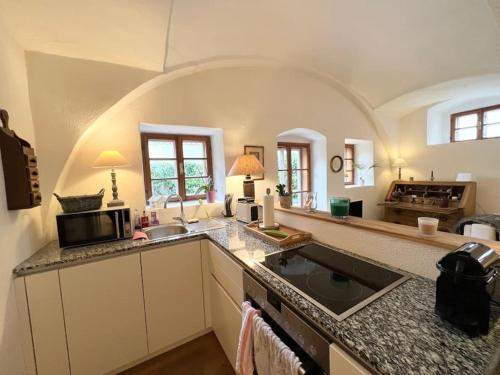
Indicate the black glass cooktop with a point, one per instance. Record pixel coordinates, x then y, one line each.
335 280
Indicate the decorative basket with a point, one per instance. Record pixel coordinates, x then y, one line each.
81 202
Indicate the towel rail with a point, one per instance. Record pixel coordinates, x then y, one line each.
311 347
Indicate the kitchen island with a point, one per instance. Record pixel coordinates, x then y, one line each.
398 333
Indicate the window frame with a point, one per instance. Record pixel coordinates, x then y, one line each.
288 146
352 147
480 122
179 158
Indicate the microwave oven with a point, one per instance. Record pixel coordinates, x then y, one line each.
92 227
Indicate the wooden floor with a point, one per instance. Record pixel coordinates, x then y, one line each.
203 356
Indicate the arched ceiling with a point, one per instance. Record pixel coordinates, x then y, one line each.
378 49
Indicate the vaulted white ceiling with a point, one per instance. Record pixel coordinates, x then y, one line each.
379 49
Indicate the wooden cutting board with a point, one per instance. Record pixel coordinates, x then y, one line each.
294 235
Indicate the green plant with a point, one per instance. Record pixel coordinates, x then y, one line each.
280 189
207 186
363 166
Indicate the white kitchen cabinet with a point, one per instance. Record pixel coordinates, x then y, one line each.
173 294
104 314
226 320
227 272
47 323
341 363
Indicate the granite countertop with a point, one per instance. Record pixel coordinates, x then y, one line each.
398 333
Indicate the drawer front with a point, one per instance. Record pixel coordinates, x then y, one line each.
227 272
36 198
34 185
32 173
226 320
30 160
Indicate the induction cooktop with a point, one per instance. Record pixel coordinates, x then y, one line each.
338 283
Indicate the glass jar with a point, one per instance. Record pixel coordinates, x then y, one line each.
339 207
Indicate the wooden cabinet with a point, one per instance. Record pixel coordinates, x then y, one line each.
104 314
226 320
343 364
47 323
20 171
173 294
447 201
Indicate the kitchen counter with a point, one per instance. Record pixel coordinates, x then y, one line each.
398 333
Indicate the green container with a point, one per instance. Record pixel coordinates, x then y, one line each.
339 207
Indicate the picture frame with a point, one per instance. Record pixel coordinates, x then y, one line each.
258 152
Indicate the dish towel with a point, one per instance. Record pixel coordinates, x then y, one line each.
272 356
244 357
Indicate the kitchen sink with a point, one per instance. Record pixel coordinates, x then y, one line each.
167 230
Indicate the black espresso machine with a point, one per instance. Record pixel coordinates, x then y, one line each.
465 287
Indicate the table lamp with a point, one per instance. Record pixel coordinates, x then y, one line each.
111 159
246 165
399 163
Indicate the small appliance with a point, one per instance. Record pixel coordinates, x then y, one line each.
247 210
91 227
465 286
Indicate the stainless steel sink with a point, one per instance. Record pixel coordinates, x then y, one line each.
163 231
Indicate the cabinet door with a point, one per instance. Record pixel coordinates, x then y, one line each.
104 314
47 323
226 320
173 294
342 363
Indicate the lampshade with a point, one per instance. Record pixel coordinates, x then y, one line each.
246 165
110 159
399 163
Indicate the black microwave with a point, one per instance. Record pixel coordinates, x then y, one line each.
91 227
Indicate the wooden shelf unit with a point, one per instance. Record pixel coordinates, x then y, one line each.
20 170
407 200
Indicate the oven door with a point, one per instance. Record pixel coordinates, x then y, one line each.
310 346
86 228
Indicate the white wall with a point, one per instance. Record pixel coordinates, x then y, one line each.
251 105
20 231
477 157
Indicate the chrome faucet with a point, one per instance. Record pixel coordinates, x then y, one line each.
181 218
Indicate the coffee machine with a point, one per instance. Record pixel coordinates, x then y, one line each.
465 286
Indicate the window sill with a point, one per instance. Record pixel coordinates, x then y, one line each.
358 186
191 203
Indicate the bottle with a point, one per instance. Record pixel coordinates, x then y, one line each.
144 220
137 220
154 218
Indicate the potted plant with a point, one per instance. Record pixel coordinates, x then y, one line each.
209 189
285 197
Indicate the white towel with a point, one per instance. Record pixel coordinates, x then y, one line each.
272 356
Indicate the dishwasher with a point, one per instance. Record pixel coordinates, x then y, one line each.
308 344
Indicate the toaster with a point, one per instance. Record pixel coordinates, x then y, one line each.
465 286
247 210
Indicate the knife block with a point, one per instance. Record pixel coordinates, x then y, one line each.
19 168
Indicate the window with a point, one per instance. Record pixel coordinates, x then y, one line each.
479 123
175 164
349 158
294 169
